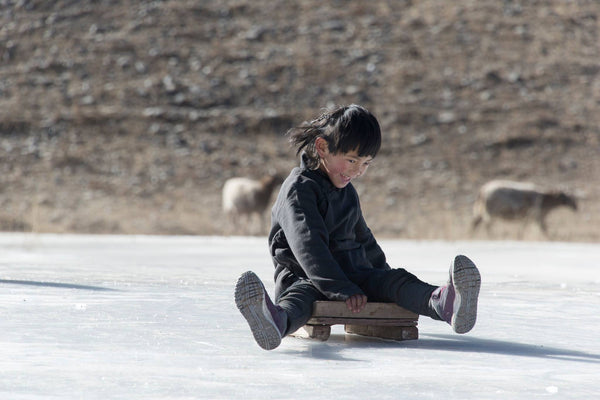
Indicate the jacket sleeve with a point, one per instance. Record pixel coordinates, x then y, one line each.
374 253
308 238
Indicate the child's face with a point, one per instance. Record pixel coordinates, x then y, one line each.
343 167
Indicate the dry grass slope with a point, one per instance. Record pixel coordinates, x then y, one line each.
128 117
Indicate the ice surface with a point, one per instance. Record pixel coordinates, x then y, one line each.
134 317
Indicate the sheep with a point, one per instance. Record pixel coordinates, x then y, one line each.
508 200
245 197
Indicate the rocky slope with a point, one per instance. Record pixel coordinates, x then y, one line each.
119 117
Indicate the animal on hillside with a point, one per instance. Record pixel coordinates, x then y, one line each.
244 198
509 200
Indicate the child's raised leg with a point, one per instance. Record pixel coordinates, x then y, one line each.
267 321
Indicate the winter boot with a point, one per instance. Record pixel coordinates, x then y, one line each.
456 303
267 321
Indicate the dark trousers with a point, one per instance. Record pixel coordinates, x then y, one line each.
296 295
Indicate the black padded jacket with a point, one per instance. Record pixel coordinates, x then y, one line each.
318 233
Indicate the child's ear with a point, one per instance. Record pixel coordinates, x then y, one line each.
321 146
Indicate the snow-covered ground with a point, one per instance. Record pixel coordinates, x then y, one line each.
130 317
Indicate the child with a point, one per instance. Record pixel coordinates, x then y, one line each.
322 248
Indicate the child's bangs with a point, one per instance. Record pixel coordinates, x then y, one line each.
358 130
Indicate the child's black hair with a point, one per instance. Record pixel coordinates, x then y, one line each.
345 128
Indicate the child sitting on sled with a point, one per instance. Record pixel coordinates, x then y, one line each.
322 248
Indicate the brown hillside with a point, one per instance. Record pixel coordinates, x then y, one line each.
127 117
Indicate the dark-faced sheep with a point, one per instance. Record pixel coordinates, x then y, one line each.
508 200
245 197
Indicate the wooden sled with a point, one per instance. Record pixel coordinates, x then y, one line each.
382 320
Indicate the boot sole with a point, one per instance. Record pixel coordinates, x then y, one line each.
467 282
250 300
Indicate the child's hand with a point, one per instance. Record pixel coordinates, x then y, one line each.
356 303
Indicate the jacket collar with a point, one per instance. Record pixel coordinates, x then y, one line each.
318 175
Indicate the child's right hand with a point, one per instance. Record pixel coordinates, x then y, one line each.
356 303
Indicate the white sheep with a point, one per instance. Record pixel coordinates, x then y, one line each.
245 197
508 200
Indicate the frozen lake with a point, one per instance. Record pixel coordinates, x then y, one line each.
135 317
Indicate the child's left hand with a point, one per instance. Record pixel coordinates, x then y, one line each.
356 303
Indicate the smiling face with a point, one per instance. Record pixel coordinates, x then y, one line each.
343 167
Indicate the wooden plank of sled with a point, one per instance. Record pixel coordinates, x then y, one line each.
383 320
371 310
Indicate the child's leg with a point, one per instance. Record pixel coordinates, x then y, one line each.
297 300
455 303
401 287
270 322
267 321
